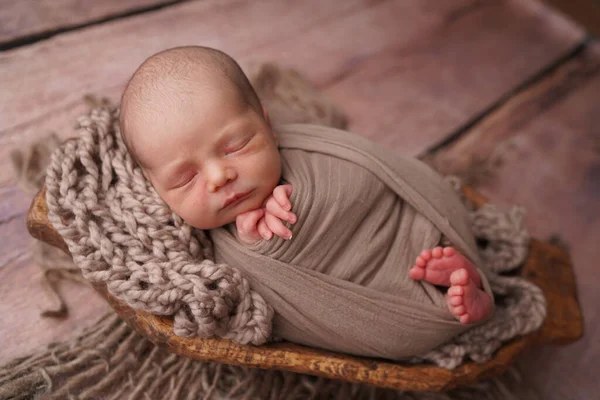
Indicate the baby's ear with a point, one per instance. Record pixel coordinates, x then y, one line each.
266 114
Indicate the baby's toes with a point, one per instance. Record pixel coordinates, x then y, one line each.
465 318
421 262
416 273
456 301
459 277
426 255
456 291
437 252
448 251
459 310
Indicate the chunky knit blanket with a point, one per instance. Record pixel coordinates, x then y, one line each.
120 233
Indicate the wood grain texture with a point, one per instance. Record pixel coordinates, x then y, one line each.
486 142
27 19
24 295
418 94
542 150
547 266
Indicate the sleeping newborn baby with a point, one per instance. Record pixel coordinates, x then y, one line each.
192 121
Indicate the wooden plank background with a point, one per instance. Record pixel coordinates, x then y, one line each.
26 20
497 87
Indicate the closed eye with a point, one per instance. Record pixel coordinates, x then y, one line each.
185 181
239 145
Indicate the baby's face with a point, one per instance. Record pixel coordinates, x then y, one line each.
210 158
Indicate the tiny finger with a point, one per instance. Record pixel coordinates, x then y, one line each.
277 227
264 230
282 195
273 207
246 223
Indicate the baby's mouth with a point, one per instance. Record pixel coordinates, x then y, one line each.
237 199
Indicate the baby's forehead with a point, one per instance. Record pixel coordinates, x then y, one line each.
166 89
168 113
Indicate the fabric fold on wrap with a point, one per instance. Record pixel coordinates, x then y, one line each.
364 214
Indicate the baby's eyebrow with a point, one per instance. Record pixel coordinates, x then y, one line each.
238 128
230 134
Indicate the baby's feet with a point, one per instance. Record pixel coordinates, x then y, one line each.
437 265
465 300
447 267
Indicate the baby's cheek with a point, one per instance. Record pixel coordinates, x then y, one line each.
268 167
184 205
197 216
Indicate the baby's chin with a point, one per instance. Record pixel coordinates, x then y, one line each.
219 222
213 224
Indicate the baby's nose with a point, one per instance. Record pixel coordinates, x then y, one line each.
219 176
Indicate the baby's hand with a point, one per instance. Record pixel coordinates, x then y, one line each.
278 208
264 222
248 225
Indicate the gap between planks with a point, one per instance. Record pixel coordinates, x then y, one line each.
29 38
473 150
532 82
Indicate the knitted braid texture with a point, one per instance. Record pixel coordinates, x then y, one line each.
122 234
119 232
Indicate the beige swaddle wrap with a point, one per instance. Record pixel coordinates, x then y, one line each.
364 214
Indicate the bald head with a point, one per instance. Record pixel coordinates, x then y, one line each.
166 78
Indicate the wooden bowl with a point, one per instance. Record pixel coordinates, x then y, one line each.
547 266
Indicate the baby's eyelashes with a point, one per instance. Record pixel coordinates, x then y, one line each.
237 145
184 181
